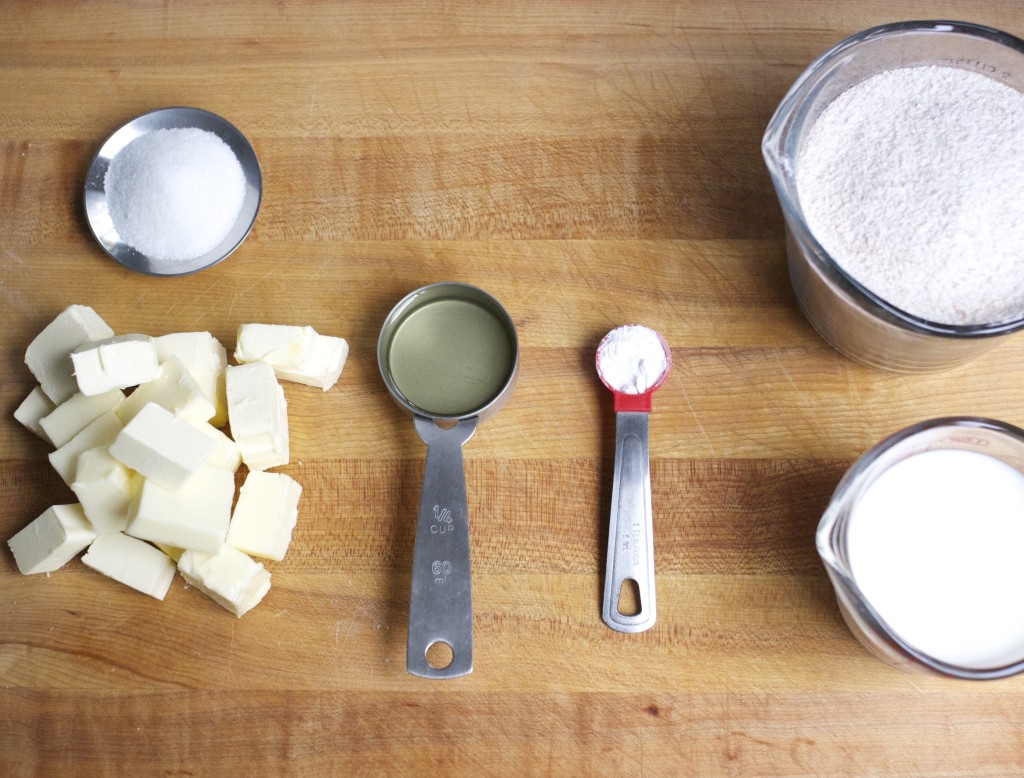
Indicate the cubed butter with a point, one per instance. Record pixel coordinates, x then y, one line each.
206 359
230 578
175 390
104 488
51 540
226 454
194 516
265 515
78 412
49 355
33 408
299 354
172 551
258 415
131 562
115 363
102 431
164 448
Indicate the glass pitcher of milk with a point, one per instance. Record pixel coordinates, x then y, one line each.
923 541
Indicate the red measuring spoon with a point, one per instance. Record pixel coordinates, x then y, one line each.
631 527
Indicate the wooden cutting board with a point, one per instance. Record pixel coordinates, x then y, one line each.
590 164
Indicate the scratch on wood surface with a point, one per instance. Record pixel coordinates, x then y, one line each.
244 292
696 418
13 300
231 650
785 370
314 89
916 687
806 412
12 256
851 386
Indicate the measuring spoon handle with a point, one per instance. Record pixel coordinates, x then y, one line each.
630 527
441 602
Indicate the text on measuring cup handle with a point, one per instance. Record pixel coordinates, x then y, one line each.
442 524
441 570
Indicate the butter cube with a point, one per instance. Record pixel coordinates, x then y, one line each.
297 354
104 488
49 355
164 448
194 516
175 390
230 578
131 562
206 360
172 551
258 415
76 413
33 408
52 539
115 363
226 454
102 431
265 515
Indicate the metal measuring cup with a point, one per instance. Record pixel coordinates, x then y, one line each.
449 355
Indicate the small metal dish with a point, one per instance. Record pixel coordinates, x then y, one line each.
98 214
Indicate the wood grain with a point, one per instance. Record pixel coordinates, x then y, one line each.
590 164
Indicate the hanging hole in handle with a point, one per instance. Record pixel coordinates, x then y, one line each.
439 655
629 598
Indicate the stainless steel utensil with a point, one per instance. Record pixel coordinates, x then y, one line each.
449 356
631 525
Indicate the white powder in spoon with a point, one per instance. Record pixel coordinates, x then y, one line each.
632 358
174 194
913 181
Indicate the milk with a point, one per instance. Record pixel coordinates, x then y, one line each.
936 545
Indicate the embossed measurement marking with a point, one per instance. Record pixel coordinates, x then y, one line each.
442 521
441 570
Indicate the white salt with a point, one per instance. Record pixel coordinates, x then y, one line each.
632 359
174 194
913 181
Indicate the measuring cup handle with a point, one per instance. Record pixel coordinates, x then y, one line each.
630 526
441 602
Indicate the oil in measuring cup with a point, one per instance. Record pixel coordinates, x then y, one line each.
450 355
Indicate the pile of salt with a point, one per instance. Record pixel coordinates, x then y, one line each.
174 194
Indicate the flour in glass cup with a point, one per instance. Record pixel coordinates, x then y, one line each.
174 194
913 181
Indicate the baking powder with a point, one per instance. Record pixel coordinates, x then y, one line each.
632 359
913 181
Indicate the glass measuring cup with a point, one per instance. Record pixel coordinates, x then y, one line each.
850 317
1003 443
449 356
631 524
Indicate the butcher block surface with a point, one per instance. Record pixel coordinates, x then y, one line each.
590 164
